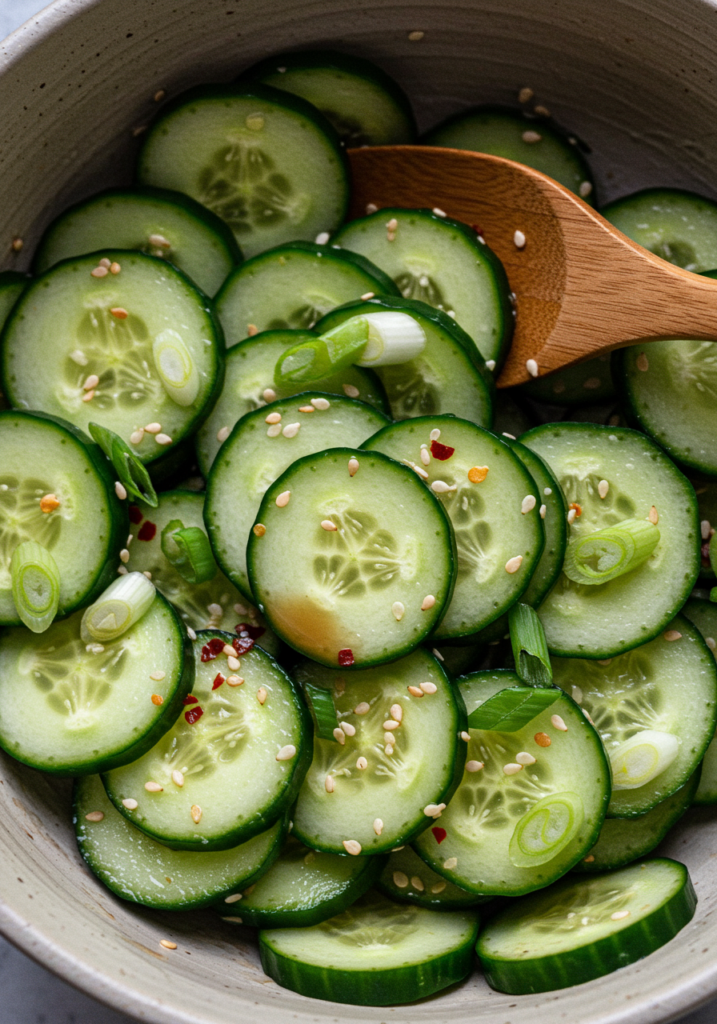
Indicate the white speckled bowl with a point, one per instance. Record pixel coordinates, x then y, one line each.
638 79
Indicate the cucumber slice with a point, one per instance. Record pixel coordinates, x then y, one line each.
679 226
507 833
515 135
293 286
667 388
216 604
443 263
590 381
156 221
407 879
256 455
303 887
136 868
72 709
706 491
495 515
703 614
623 840
42 457
448 377
601 621
376 953
232 763
669 687
64 323
12 285
268 163
372 561
369 793
362 102
581 929
250 375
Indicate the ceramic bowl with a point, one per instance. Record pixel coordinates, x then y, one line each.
638 79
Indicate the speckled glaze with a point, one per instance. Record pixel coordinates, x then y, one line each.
637 78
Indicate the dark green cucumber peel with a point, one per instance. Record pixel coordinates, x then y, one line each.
408 879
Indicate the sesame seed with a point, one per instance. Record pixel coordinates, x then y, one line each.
91 382
428 602
435 434
48 503
604 661
269 395
261 694
234 680
585 189
191 634
227 649
437 654
465 736
371 208
274 430
121 492
653 516
94 648
136 436
119 313
251 330
362 709
153 428
115 268
532 367
619 915
163 439
196 812
577 694
571 515
153 787
439 212
451 863
322 238
362 764
547 491
603 488
17 244
589 859
524 758
214 610
512 769
417 883
518 239
434 810
158 97
474 766
283 499
705 527
352 846
672 634
477 474
398 610
258 529
541 111
525 95
157 676
513 564
415 691
157 699
327 525
122 570
543 510
291 429
389 725
367 295
528 503
558 723
532 137
88 396
234 898
392 225
99 272
339 735
233 663
349 729
711 642
165 942
350 390
353 466
415 37
400 880
542 739
425 457
441 487
490 364
124 555
79 357
95 816
130 804
273 417
329 784
378 826
642 362
306 408
396 712
286 753
322 404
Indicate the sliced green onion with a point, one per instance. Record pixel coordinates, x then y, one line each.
546 829
323 711
513 708
187 548
176 368
131 471
530 650
123 603
35 585
642 758
392 338
325 355
606 554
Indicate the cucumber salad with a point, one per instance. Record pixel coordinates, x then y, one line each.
408 674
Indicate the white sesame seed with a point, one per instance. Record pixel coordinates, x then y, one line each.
434 810
196 813
177 778
124 555
547 491
367 295
350 390
261 695
283 499
95 816
653 516
362 764
543 511
415 37
705 527
513 564
525 95
392 224
322 404
490 364
234 680
532 367
88 396
400 880
273 417
339 735
398 610
542 111
215 609
362 709
518 239
286 753
528 503
439 212
352 846
327 525
274 430
711 642
425 456
153 428
378 826
435 434
136 436
120 491
417 883
577 694
438 887
227 649
451 863
291 429
586 188
329 784
99 272
428 602
147 573
269 395
531 136
233 663
603 488
157 676
353 466
524 758
512 769
306 408
672 634
474 766
437 654
558 723
191 634
371 208
79 357
322 238
396 712
415 691
619 915
389 725
349 729
642 362
571 515
130 804
441 487
91 382
163 439
465 736
153 787
234 898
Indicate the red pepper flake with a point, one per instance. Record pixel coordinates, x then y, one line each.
478 229
147 531
213 649
246 629
346 657
135 514
242 645
439 833
218 680
193 715
578 510
190 699
442 452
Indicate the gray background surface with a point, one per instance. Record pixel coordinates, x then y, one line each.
28 993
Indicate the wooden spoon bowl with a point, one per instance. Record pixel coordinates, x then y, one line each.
581 286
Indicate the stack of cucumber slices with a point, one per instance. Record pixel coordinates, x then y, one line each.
406 673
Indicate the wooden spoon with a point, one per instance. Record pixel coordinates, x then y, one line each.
581 286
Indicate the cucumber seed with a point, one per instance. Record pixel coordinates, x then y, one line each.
438 887
400 880
417 883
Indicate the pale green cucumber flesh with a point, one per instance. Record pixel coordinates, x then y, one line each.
408 879
703 614
71 710
359 587
141 870
227 758
602 621
679 226
382 804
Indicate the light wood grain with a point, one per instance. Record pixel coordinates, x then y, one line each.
581 286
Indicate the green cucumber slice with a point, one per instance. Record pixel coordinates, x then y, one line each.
668 686
449 376
623 840
154 304
240 750
590 381
216 604
12 285
257 454
156 221
293 286
268 163
547 813
407 879
43 457
136 868
376 953
301 888
443 263
516 135
76 709
357 587
362 102
703 614
679 226
584 928
370 793
602 621
495 517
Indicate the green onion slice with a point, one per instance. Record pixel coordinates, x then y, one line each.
176 368
123 603
323 711
513 708
546 829
188 550
35 585
642 758
606 554
130 470
530 650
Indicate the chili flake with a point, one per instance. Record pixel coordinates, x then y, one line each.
147 531
440 834
346 657
213 649
442 452
218 680
135 514
576 508
242 645
190 699
193 715
245 628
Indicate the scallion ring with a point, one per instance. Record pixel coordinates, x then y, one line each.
188 550
123 603
35 585
176 368
609 553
